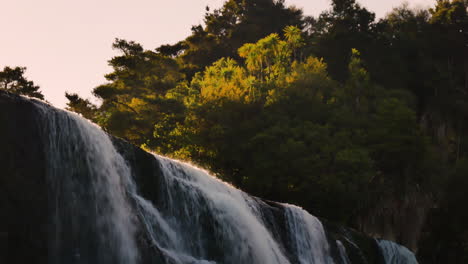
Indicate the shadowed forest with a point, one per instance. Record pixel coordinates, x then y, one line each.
363 122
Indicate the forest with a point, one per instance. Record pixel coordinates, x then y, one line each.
356 119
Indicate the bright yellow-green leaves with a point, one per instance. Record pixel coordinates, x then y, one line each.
270 66
268 58
293 36
311 68
306 79
225 79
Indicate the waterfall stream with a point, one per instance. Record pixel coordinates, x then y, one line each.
92 217
396 254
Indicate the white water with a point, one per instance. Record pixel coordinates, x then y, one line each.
396 254
343 254
308 237
75 145
197 204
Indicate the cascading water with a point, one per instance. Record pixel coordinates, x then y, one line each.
343 255
202 210
307 237
396 254
98 214
92 218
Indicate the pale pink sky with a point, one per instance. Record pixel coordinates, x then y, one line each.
65 44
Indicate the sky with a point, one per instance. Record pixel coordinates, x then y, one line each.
66 44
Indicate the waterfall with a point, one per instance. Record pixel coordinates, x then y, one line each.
307 236
201 210
396 254
110 202
92 217
343 255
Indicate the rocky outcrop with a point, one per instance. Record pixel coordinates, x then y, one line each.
400 219
23 190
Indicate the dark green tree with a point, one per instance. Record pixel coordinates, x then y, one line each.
346 26
82 106
228 28
13 80
134 101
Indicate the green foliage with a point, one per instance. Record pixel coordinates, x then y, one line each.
449 13
346 26
134 100
13 80
225 79
228 28
395 138
268 58
80 105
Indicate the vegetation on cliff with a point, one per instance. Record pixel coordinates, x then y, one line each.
340 113
13 80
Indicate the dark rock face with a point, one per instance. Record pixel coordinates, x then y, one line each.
23 190
58 207
398 218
